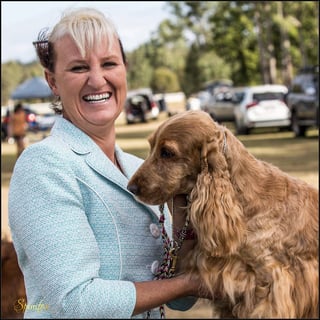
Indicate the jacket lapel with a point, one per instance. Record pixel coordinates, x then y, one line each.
83 145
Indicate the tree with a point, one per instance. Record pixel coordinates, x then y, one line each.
14 73
250 42
140 72
164 81
263 24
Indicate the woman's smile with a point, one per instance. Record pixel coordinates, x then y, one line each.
97 98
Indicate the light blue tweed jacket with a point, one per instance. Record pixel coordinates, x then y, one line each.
80 236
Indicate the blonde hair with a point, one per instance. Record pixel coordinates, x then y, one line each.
86 26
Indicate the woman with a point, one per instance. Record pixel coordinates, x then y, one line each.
87 249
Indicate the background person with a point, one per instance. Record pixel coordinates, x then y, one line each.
86 247
17 127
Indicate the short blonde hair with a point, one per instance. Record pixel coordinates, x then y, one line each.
86 26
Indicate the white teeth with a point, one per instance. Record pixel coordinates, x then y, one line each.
97 97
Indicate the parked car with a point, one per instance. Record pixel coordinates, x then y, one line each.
303 101
197 101
40 116
31 119
5 114
218 102
175 102
260 106
140 106
193 103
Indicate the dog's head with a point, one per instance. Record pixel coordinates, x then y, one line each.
180 149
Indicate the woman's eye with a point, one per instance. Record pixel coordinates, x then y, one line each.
166 153
79 68
109 64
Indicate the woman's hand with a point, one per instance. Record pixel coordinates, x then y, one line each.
194 286
151 294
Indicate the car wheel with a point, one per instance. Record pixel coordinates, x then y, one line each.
212 115
241 130
143 118
299 131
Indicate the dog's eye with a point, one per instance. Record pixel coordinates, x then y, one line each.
166 153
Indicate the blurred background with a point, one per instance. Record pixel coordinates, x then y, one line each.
232 59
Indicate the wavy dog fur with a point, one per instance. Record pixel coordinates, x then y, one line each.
257 227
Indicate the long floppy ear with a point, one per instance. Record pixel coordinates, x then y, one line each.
214 211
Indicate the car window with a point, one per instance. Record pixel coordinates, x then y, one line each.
268 96
238 97
303 82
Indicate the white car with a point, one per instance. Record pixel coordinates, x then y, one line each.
260 106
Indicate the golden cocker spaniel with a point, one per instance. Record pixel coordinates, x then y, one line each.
256 226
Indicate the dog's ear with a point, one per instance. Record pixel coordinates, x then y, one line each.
214 210
212 151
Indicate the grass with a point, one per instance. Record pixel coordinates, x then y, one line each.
283 150
296 156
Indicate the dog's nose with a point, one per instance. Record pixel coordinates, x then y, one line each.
133 188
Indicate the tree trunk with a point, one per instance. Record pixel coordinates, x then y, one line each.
272 62
286 63
261 45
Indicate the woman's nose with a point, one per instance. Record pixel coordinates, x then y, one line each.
96 78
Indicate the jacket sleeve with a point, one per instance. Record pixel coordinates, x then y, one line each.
57 249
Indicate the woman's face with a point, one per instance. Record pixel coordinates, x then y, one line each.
92 89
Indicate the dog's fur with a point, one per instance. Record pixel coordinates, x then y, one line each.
12 282
257 227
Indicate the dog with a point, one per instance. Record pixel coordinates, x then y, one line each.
257 227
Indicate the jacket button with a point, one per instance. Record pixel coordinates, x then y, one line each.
155 231
154 267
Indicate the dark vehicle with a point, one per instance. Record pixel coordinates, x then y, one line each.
303 101
5 114
140 106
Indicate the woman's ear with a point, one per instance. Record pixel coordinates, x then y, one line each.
51 81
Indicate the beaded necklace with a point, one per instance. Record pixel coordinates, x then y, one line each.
171 248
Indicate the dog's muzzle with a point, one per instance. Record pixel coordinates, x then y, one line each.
133 188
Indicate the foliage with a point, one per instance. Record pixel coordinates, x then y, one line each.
250 42
14 73
139 69
164 80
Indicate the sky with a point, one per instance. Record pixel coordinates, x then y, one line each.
21 22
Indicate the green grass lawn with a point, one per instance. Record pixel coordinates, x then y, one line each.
296 156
